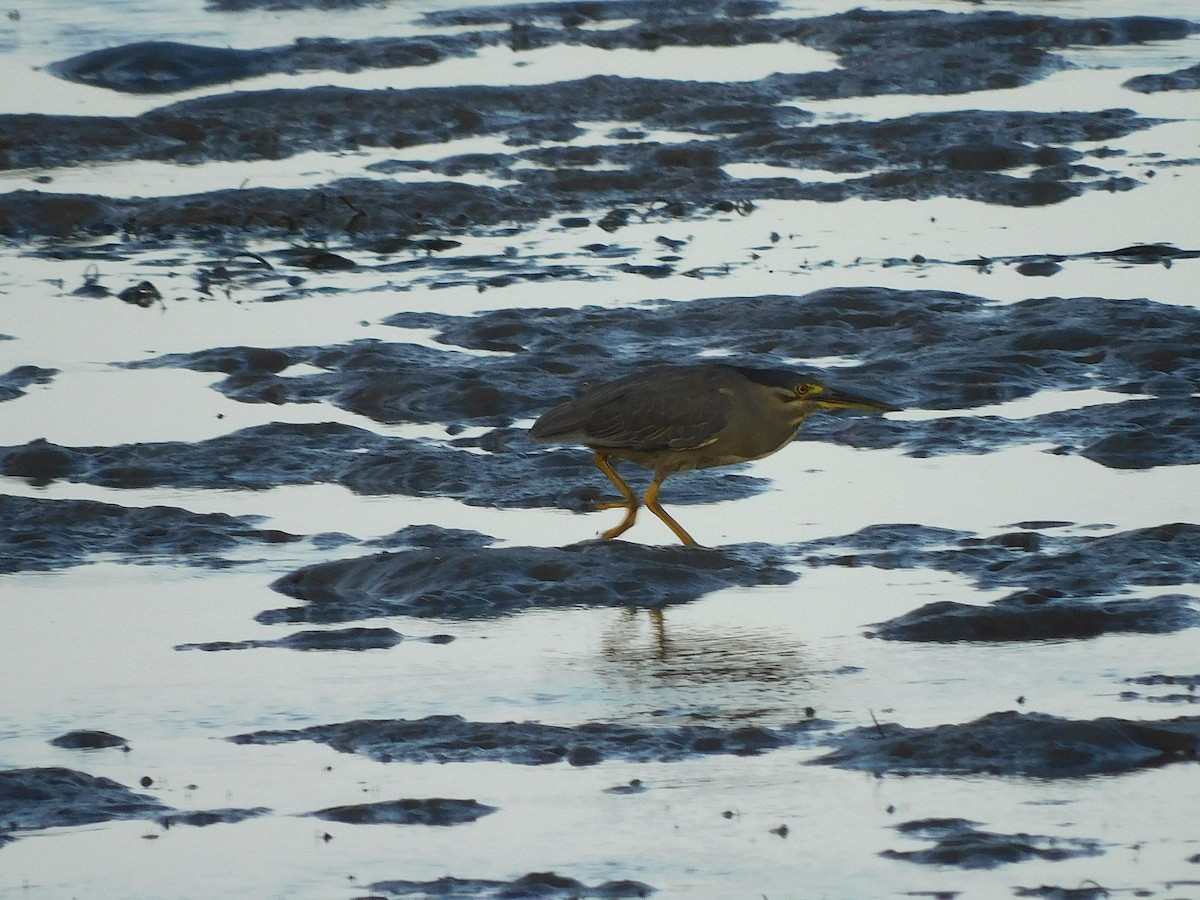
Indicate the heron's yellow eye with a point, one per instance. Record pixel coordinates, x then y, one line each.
803 390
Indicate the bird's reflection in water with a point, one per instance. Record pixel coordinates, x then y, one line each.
739 670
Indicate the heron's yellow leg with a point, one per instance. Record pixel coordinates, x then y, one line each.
629 504
651 500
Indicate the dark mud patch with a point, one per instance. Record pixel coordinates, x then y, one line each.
37 534
1180 80
35 799
1068 583
1011 743
631 787
202 818
958 842
1114 435
431 811
14 382
473 582
162 67
1033 616
1087 891
238 6
1175 688
535 884
446 739
1043 265
922 52
333 639
150 67
87 739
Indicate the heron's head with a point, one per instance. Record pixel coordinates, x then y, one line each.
798 396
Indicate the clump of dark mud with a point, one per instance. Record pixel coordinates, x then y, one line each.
878 52
535 884
1088 891
238 6
37 534
1010 743
151 67
34 799
1181 80
87 739
431 811
960 843
1189 683
334 639
202 818
1046 264
574 14
455 739
472 582
1030 616
1068 583
633 786
14 382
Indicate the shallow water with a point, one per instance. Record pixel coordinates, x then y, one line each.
153 527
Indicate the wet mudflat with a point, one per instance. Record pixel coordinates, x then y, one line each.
290 604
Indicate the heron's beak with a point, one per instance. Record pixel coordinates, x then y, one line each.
831 399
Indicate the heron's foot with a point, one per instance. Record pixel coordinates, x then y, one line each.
625 524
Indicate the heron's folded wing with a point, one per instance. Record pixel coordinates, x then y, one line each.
667 414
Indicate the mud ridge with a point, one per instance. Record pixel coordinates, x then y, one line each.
38 534
471 582
1011 743
1069 586
1034 616
336 639
1180 80
1188 695
535 884
878 52
446 739
438 811
87 739
960 843
35 799
14 382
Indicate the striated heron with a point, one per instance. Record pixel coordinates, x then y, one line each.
675 418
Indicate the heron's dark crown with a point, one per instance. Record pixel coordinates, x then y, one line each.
780 378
